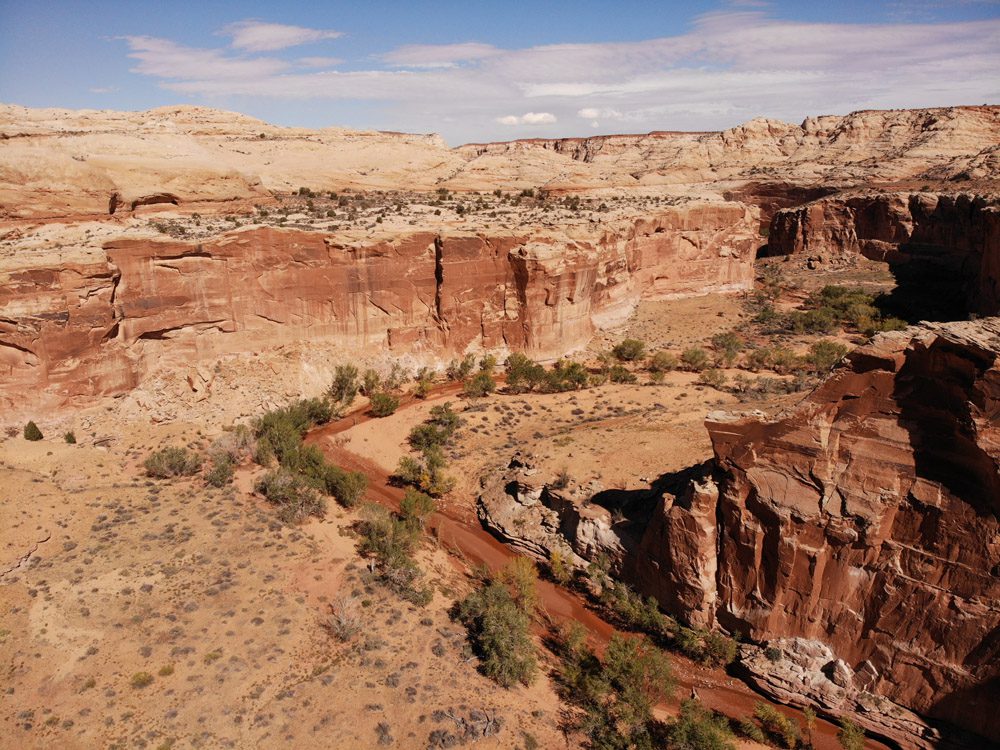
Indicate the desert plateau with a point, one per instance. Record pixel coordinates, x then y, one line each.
346 437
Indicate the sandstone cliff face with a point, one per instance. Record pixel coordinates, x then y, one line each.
950 240
868 520
96 327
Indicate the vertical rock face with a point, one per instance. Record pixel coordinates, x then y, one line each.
869 520
97 327
954 238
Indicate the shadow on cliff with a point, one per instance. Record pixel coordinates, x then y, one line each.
930 285
934 390
637 506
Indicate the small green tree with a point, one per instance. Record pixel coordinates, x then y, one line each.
663 361
70 437
727 346
371 382
479 385
824 354
31 432
850 736
344 387
697 728
416 506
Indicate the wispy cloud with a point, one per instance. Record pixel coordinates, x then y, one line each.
731 66
257 36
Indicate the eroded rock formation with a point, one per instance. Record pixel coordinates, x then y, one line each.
864 525
948 244
94 327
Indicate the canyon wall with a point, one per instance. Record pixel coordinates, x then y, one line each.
866 521
949 245
96 326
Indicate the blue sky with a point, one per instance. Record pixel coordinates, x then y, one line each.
481 70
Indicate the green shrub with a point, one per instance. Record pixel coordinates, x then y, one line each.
523 374
850 736
777 726
31 432
479 385
383 404
296 498
713 378
344 388
391 541
416 506
630 350
222 470
695 359
663 362
500 633
371 382
727 346
172 462
348 487
461 369
620 374
565 375
560 568
279 432
749 729
141 679
697 728
70 437
488 364
825 354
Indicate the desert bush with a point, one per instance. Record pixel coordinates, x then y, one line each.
426 472
345 619
141 679
279 432
222 470
748 728
348 487
633 611
70 437
31 432
727 346
565 375
172 462
488 364
560 568
296 498
777 726
390 542
663 361
520 576
371 382
383 404
695 359
522 373
825 354
416 506
629 350
620 374
698 728
822 320
461 369
344 388
424 379
713 378
237 444
479 385
850 736
500 633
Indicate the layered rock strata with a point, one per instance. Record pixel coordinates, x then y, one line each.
865 523
947 245
94 326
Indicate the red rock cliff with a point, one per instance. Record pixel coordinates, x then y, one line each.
867 520
98 327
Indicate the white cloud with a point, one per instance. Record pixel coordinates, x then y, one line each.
528 118
439 55
103 89
257 36
731 66
319 62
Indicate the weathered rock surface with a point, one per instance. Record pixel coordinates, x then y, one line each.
64 162
865 523
947 244
95 326
869 519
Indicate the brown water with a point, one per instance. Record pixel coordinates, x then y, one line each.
465 538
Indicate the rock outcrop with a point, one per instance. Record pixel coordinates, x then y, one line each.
858 535
948 245
869 519
95 326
